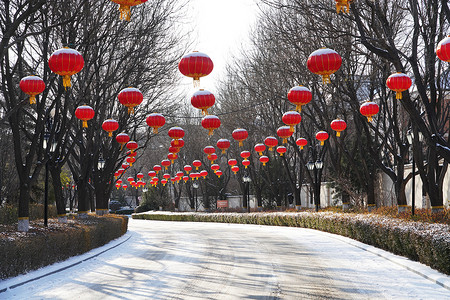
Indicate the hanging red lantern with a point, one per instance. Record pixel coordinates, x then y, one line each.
211 123
125 165
398 82
120 171
110 126
119 181
219 173
209 150
369 109
212 157
196 65
165 163
151 174
179 142
157 168
185 178
139 176
343 5
215 167
301 142
173 179
271 142
196 163
176 133
32 86
235 169
172 157
118 185
130 179
291 118
174 149
240 135
66 62
179 174
125 7
122 139
324 62
84 113
246 163
131 154
281 150
132 146
187 168
124 186
299 96
166 176
203 99
232 162
204 173
264 159
116 174
338 125
260 148
322 136
155 121
443 49
164 182
245 154
284 132
130 97
130 160
193 175
223 144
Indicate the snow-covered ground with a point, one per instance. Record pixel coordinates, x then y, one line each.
182 260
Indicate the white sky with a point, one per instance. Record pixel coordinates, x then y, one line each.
221 27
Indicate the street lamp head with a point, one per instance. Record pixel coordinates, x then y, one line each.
310 165
246 178
46 138
195 185
319 164
409 137
101 163
145 190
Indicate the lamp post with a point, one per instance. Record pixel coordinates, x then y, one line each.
410 138
316 166
101 163
246 179
52 149
195 186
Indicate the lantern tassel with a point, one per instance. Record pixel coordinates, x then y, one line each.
130 110
281 154
284 140
175 142
369 119
211 131
241 144
260 153
292 128
110 134
155 130
301 147
298 108
322 143
196 82
218 176
32 99
338 134
66 81
326 79
85 125
121 147
246 167
125 12
270 148
398 95
223 151
204 111
264 164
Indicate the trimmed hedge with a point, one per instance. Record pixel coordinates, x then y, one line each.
426 243
23 252
9 213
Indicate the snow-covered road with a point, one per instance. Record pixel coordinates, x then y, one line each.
181 260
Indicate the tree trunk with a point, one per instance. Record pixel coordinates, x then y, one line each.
24 210
55 172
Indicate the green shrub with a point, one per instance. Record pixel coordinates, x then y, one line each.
9 215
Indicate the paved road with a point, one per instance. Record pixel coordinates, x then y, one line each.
177 260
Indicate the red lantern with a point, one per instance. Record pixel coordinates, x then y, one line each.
120 171
264 159
196 163
369 109
179 142
324 62
157 168
172 157
232 162
215 167
187 168
119 181
291 118
281 150
210 123
260 148
185 178
193 175
398 83
118 185
299 96
130 97
155 121
271 142
132 146
131 160
165 163
245 163
338 125
32 86
122 139
223 144
166 176
219 173
179 174
443 49
284 132
245 154
343 5
174 149
125 7
203 173
66 62
110 126
235 169
84 113
322 136
173 179
196 65
116 174
209 150
130 179
125 165
176 133
301 142
212 157
240 135
203 100
124 187
164 182
151 174
139 176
